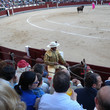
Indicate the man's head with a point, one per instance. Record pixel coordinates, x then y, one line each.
7 72
53 45
93 80
54 48
2 64
102 99
61 81
38 68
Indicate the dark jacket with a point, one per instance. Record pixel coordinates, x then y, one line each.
85 96
107 83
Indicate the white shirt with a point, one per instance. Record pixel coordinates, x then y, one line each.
58 101
45 87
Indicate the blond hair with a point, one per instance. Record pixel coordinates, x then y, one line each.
9 99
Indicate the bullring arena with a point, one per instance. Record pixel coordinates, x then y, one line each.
81 35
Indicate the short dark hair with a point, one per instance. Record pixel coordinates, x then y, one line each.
61 81
38 68
7 72
90 79
2 64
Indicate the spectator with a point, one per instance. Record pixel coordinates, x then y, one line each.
39 91
60 100
74 83
2 64
28 81
86 95
39 68
8 73
22 66
107 82
102 99
53 57
9 100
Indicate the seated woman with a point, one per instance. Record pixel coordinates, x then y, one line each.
28 81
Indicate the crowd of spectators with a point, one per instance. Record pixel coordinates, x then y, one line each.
34 88
16 3
28 92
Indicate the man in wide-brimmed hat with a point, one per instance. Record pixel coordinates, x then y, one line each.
53 57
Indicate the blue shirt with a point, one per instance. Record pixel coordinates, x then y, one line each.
38 92
29 98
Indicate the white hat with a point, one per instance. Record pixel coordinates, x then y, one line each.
53 44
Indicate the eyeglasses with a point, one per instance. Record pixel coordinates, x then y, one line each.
36 82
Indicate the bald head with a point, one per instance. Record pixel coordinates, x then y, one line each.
102 99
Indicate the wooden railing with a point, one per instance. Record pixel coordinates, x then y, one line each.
34 54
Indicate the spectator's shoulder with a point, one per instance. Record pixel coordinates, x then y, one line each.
78 89
45 96
107 82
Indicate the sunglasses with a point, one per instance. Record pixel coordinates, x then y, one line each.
36 82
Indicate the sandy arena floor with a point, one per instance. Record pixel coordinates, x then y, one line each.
84 35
